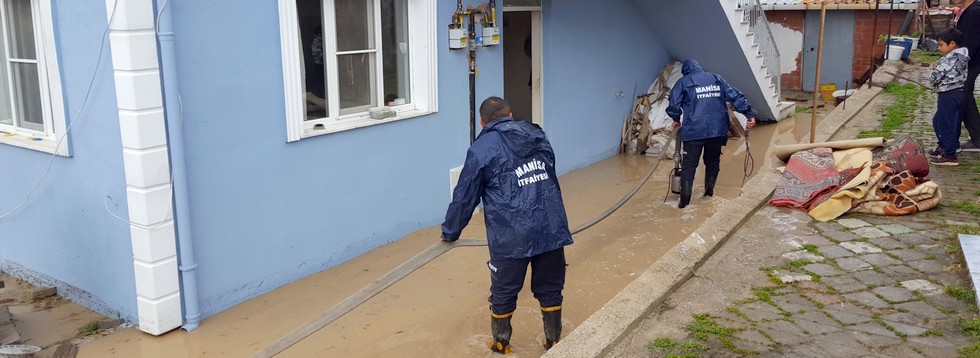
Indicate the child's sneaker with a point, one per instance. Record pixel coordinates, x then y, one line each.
946 160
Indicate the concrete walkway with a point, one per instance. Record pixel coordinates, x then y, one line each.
859 286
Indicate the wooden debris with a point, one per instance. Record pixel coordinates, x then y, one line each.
66 350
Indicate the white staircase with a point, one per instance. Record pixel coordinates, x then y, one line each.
747 17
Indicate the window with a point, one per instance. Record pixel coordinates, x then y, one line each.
31 113
344 57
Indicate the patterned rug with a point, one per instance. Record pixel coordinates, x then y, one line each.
809 178
897 193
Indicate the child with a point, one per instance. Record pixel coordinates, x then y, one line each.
949 77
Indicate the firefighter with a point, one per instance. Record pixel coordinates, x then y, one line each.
701 98
511 168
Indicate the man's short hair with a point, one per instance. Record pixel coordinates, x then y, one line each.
951 35
494 108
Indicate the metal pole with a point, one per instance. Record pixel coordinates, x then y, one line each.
471 29
816 81
874 30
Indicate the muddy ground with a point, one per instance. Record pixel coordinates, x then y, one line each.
441 309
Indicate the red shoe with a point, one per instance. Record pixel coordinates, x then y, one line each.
945 160
935 152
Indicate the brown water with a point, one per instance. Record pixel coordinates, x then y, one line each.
441 310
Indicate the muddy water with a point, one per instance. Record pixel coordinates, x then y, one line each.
48 321
441 309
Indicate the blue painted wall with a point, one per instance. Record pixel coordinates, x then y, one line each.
63 236
267 212
591 53
293 209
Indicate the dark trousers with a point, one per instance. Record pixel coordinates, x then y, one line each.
946 122
971 115
507 279
692 154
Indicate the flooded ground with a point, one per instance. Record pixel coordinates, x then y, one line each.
441 310
41 318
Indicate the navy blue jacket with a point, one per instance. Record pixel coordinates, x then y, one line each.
511 167
700 96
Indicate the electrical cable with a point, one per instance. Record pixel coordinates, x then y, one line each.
406 268
72 123
748 167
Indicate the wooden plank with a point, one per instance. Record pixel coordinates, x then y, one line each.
66 350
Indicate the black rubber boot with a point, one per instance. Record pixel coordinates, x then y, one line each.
552 325
685 194
501 329
709 185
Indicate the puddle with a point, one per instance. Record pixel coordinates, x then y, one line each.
441 310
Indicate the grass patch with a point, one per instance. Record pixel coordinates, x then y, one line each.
923 56
764 294
971 327
796 263
704 327
812 249
946 310
970 207
962 293
961 229
932 333
970 351
976 192
663 343
907 97
802 109
87 329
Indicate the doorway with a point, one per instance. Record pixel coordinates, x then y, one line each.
838 48
522 62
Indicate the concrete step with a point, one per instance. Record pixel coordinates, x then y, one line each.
786 109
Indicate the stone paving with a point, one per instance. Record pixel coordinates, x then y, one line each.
858 286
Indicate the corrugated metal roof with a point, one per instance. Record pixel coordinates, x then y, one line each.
837 4
834 2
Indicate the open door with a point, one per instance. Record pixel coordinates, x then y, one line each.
522 61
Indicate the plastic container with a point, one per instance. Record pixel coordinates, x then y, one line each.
904 42
895 52
18 351
827 91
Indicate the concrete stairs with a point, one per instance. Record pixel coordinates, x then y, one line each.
749 42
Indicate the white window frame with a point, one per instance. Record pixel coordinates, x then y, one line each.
52 104
423 71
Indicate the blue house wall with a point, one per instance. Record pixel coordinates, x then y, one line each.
266 212
591 54
63 235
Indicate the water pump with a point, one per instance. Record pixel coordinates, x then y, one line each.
675 178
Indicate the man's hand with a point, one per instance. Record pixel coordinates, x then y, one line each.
750 123
677 124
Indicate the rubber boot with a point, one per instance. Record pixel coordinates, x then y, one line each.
685 194
501 329
709 185
552 325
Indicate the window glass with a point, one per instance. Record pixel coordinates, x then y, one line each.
6 114
356 76
395 45
27 96
20 29
312 42
355 25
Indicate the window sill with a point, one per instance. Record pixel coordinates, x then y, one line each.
28 142
361 123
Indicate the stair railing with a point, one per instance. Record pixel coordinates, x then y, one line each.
753 13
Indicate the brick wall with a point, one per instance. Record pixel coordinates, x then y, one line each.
791 19
864 33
